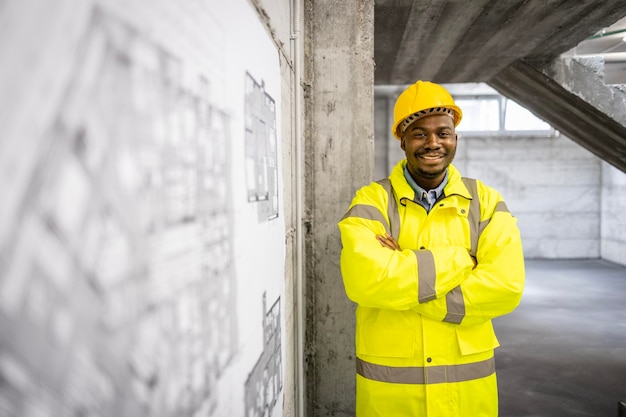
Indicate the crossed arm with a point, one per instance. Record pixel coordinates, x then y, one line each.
387 241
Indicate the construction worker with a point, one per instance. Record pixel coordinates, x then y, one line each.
430 258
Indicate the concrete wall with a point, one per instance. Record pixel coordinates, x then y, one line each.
339 159
558 191
551 185
146 232
613 227
585 77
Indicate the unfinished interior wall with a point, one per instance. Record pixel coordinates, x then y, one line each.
551 185
586 78
145 267
613 225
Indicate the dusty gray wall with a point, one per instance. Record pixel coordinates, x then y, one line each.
551 185
116 291
585 77
613 224
339 157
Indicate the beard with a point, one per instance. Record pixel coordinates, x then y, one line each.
431 174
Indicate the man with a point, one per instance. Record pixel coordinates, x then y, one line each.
430 258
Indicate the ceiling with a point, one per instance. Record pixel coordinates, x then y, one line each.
513 45
471 41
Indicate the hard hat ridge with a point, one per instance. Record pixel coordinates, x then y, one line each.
422 113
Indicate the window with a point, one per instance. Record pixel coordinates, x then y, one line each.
487 113
517 117
480 114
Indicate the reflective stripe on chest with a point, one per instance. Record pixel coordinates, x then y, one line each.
473 215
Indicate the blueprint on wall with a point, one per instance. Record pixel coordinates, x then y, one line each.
265 381
121 262
261 152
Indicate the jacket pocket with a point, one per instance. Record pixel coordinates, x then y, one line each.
476 339
394 343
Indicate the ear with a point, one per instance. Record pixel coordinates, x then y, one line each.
402 144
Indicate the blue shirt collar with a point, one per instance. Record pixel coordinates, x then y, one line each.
426 198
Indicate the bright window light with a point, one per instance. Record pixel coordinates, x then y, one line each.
519 118
479 115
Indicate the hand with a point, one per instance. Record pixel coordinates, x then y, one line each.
388 241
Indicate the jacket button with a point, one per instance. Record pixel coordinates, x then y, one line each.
429 360
463 211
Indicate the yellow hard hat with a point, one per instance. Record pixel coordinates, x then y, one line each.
423 99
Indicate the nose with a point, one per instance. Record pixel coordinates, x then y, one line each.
432 141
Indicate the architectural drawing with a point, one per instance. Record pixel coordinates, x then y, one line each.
121 270
265 382
261 152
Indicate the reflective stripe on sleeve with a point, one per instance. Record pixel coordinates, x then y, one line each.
394 216
473 215
455 304
364 211
426 275
426 375
392 207
501 206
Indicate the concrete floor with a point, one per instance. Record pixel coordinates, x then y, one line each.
563 350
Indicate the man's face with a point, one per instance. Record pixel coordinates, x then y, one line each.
430 145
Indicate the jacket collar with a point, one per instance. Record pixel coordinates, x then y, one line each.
403 189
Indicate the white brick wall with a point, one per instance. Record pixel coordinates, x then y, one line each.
550 184
613 237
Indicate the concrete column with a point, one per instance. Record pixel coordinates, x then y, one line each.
339 135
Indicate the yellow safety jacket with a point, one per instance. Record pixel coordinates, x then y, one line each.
424 338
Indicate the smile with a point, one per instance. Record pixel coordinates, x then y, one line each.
431 157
